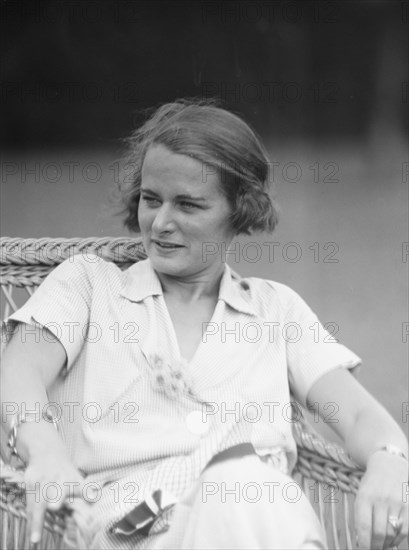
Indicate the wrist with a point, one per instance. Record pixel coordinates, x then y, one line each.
32 434
39 441
391 450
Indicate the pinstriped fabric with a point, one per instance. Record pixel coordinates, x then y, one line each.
128 436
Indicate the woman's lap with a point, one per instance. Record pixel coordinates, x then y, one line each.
242 503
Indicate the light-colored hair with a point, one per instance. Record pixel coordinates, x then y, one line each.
219 139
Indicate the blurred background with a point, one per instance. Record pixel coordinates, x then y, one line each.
324 83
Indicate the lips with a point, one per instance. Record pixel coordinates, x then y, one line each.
166 245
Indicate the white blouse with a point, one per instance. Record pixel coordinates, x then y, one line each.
137 417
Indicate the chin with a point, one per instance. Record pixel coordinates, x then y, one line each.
168 266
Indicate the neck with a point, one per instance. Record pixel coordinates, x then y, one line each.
192 288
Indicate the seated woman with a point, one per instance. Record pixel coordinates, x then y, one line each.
173 377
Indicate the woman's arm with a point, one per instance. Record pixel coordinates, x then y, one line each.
366 427
31 363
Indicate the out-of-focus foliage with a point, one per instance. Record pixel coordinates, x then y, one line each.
76 72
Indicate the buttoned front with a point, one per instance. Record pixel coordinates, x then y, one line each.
197 423
135 415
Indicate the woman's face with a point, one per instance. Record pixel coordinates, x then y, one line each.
183 214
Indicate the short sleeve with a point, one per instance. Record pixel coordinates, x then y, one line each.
311 350
61 304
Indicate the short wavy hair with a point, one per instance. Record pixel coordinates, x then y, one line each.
223 142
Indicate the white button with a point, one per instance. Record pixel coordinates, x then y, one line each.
197 423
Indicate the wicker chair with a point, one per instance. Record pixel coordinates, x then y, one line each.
326 474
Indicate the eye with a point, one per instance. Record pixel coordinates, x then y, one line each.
189 205
150 201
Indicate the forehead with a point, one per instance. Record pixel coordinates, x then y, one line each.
163 167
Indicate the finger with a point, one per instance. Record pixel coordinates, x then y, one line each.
31 498
35 515
397 541
380 527
363 515
37 522
403 533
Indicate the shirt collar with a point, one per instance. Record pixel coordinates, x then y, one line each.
234 293
141 281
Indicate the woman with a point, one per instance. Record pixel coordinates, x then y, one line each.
154 368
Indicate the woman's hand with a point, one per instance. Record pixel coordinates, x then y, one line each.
383 493
51 481
365 426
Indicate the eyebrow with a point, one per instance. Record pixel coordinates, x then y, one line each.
179 197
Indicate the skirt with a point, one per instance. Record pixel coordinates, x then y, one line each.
243 503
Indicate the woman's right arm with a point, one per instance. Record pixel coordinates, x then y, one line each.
31 363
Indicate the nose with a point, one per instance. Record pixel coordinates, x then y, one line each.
164 220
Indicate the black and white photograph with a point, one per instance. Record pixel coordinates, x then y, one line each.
204 250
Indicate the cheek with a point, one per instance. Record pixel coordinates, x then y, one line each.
143 217
221 224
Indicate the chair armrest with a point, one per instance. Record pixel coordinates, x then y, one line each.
60 530
322 460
